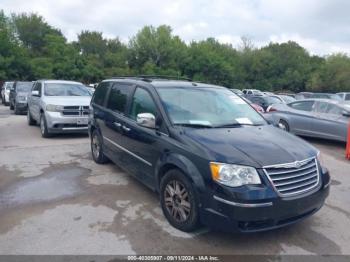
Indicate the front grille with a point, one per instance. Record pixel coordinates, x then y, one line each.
294 178
75 110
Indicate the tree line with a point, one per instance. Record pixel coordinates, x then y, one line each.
32 49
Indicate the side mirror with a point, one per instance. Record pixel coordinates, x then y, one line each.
35 93
146 120
346 113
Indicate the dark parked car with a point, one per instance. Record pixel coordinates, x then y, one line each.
211 157
264 101
19 95
321 118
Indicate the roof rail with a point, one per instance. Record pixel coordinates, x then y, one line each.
149 78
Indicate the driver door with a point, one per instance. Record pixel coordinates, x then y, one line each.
144 144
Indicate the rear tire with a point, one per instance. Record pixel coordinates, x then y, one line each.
282 124
179 201
30 120
97 148
43 127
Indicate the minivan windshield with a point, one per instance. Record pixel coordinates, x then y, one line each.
207 107
24 86
62 89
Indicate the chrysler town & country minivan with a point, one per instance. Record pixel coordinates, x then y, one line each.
209 155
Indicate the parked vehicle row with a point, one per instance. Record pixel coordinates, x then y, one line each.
201 147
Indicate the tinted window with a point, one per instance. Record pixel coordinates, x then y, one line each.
142 102
100 93
303 105
347 97
118 97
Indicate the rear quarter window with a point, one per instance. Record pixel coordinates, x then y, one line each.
119 96
100 93
302 105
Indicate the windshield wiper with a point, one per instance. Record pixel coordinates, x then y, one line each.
236 124
194 125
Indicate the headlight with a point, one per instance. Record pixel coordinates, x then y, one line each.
234 175
54 108
22 98
320 159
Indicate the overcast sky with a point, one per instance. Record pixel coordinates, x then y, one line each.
321 26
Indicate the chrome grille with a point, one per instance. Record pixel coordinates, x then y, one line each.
294 178
75 110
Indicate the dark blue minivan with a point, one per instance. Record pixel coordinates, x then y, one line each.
211 157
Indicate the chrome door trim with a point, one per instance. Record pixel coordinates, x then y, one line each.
127 151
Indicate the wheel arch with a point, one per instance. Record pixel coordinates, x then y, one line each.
177 161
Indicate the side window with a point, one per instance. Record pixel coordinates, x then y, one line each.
303 105
100 93
334 110
347 97
320 107
142 102
37 87
118 97
250 92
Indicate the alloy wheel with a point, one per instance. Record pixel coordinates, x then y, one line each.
177 201
95 146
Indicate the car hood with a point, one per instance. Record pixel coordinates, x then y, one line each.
256 146
68 100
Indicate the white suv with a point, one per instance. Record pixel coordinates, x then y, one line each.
59 106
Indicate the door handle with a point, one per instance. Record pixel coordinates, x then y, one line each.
126 129
117 124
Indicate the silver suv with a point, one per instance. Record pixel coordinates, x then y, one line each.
59 107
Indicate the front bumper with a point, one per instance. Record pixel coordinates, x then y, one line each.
23 107
57 123
264 214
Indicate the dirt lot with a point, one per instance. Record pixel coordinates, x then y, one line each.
55 200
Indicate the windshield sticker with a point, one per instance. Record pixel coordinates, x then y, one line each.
244 120
199 122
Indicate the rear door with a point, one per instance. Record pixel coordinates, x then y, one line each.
113 125
327 122
299 117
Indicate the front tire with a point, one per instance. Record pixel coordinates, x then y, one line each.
179 201
17 112
97 148
43 127
30 119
